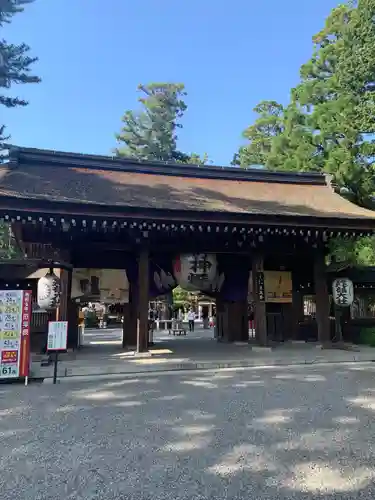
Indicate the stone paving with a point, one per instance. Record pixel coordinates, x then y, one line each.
103 354
277 433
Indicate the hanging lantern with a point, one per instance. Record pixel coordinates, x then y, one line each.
195 272
49 291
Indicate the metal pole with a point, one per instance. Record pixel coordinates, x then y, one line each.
55 367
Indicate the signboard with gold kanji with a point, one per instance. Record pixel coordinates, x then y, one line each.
278 286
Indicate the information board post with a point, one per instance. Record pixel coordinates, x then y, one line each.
57 341
55 367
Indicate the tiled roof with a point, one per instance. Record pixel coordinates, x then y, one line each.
57 177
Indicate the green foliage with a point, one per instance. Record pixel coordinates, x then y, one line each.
334 92
15 67
8 247
15 61
268 125
191 159
181 297
91 319
354 252
151 132
329 124
367 336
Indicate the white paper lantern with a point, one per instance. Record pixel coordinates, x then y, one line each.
48 294
195 272
343 292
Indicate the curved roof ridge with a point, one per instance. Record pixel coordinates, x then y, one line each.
20 155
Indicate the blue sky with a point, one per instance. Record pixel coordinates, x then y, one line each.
93 54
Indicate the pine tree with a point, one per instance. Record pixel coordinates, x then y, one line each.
151 132
330 122
15 68
329 125
15 61
268 125
335 94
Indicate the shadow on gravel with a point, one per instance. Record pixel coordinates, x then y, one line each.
273 433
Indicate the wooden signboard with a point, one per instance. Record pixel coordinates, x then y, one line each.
278 286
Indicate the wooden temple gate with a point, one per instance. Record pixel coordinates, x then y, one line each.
99 212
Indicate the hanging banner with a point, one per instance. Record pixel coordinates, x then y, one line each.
234 273
161 278
278 286
15 317
260 291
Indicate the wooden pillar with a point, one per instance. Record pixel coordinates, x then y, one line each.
65 287
220 321
143 299
321 298
63 310
129 326
231 321
238 319
72 324
297 312
259 305
125 324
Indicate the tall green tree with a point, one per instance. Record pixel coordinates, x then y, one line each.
15 61
268 125
15 68
279 139
151 132
340 106
329 125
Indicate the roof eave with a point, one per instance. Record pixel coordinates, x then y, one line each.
20 207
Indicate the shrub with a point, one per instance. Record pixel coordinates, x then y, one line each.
91 320
367 336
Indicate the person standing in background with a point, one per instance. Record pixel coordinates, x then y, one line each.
205 318
191 319
81 326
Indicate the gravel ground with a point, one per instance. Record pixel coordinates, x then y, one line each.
301 432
